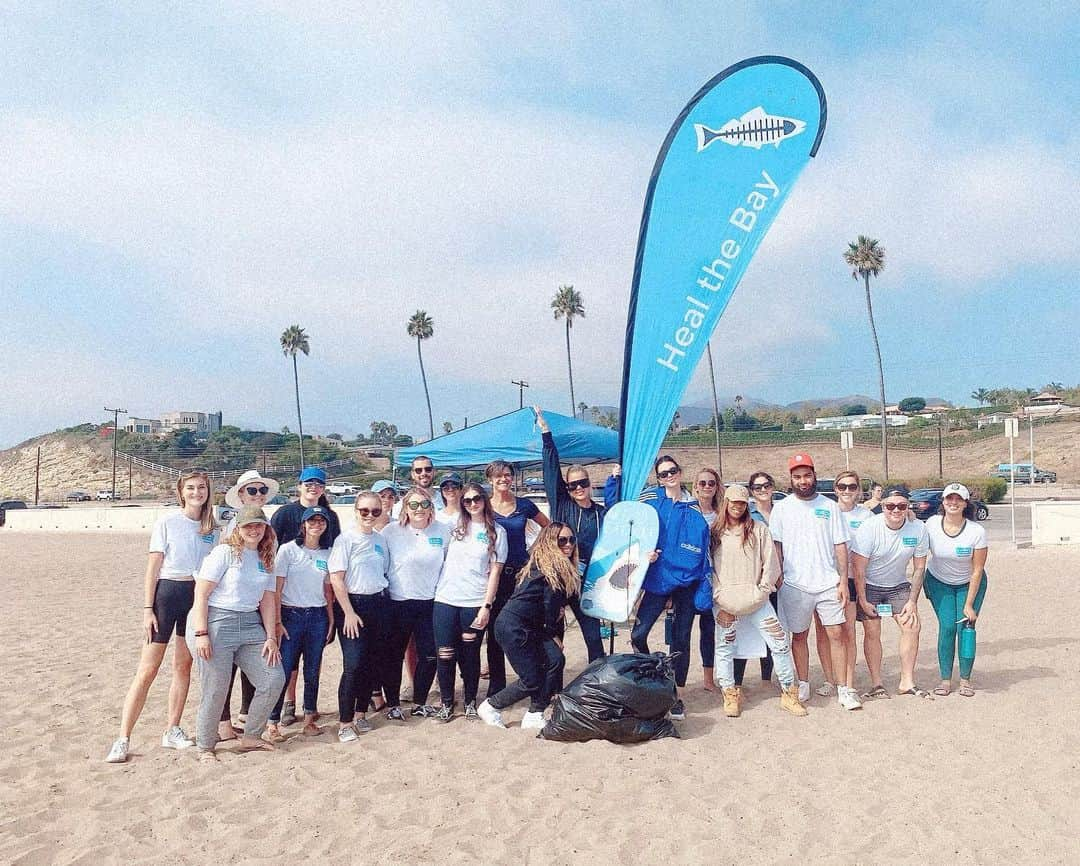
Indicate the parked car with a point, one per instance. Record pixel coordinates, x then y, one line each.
106 496
534 485
1023 473
224 513
279 499
78 496
9 505
346 499
341 487
926 501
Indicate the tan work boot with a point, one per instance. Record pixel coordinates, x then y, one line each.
789 700
733 702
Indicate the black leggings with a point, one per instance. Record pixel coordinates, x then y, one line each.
410 619
496 658
457 644
247 692
537 660
361 656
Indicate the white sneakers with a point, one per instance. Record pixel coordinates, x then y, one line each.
118 754
848 698
490 715
804 691
532 721
175 738
826 689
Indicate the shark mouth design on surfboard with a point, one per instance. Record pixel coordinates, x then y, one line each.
617 576
754 129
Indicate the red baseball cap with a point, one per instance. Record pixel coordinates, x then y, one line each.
800 460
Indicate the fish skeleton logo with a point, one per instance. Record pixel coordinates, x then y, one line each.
753 129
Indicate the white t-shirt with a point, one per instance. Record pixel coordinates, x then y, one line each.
809 531
240 582
306 573
951 562
184 546
888 551
710 518
856 518
416 559
447 519
363 558
465 574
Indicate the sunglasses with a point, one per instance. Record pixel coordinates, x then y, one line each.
472 500
894 506
369 512
846 488
449 485
707 483
567 540
424 470
759 487
580 484
419 504
313 482
668 473
261 490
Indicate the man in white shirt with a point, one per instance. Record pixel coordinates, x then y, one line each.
422 476
882 548
811 540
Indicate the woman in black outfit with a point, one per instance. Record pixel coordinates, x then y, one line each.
528 626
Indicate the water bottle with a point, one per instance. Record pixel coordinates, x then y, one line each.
967 641
669 628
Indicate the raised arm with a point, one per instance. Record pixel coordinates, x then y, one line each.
554 485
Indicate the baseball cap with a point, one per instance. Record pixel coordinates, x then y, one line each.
798 460
451 478
250 514
737 493
380 486
957 488
896 490
315 511
312 473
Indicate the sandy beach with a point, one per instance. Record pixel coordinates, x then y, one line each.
982 780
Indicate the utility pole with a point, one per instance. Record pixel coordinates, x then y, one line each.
129 477
37 477
522 385
940 468
115 428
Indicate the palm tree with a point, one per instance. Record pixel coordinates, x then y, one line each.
567 304
422 327
866 259
294 340
980 396
582 408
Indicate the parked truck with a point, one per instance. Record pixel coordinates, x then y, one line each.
1024 474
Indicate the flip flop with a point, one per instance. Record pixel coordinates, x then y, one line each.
917 692
878 691
967 691
942 691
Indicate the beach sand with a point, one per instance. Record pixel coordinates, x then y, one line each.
982 780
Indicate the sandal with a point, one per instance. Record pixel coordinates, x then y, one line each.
917 692
942 691
207 756
878 691
967 691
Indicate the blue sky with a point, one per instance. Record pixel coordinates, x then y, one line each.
182 183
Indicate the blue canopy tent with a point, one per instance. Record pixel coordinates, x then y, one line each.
516 439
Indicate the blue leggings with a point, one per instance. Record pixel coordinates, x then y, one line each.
948 602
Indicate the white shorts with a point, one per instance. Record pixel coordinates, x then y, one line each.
796 608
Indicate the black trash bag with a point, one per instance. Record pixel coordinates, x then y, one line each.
621 698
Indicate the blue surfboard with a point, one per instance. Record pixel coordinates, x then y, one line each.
619 561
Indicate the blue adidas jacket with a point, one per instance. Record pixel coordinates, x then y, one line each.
683 541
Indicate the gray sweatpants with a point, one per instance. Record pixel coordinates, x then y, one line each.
235 638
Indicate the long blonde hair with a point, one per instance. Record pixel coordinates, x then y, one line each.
559 570
266 549
206 513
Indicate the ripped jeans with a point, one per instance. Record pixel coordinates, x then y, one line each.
764 619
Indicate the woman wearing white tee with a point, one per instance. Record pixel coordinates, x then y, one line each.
235 622
709 492
305 612
450 488
358 564
848 488
417 545
464 596
955 579
178 545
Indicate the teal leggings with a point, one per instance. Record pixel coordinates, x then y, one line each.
948 602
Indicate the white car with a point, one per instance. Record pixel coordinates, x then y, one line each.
105 496
339 488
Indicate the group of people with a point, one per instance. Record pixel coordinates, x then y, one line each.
419 583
